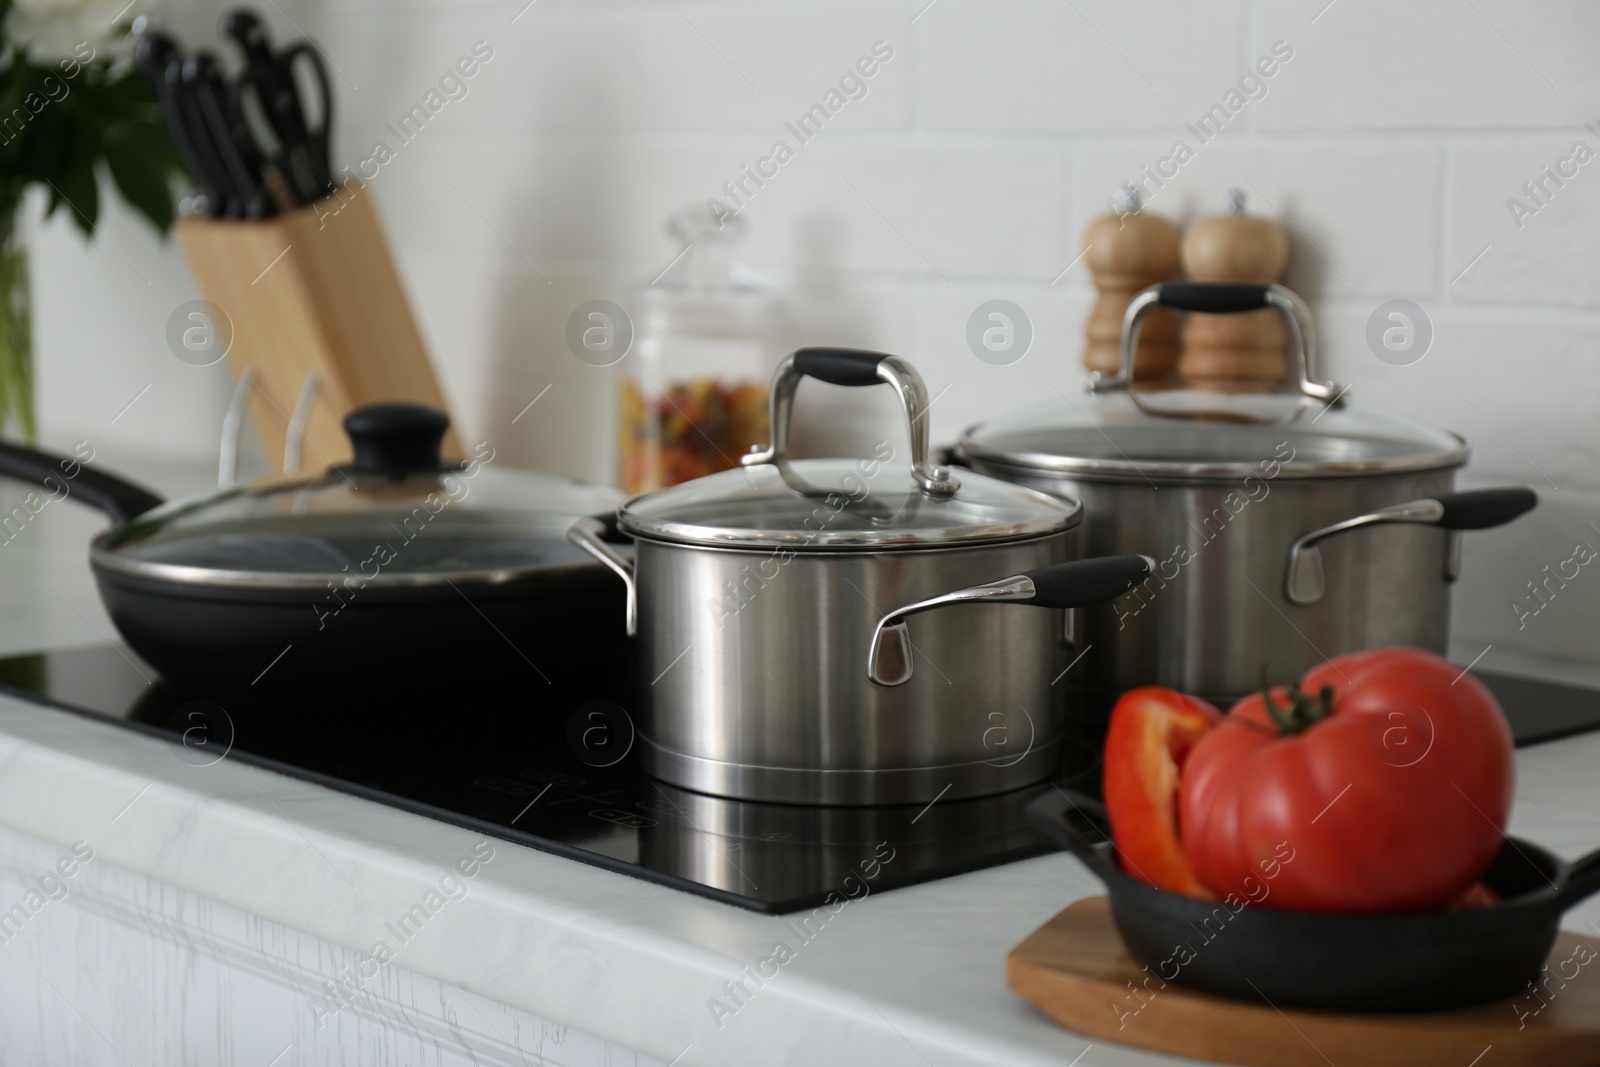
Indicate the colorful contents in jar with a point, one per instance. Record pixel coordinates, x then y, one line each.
692 428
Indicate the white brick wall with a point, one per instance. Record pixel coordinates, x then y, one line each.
1390 141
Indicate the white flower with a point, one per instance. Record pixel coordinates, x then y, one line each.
52 30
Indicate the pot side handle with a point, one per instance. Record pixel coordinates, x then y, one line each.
595 535
1476 509
1061 585
121 500
1049 814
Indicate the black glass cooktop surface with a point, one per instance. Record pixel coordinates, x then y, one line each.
554 767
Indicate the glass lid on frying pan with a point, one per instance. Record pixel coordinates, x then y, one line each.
396 515
885 501
1114 431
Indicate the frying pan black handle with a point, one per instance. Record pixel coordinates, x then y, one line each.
1049 814
839 366
1084 582
1214 298
1480 509
122 500
1583 881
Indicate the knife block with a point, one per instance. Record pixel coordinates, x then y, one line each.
313 290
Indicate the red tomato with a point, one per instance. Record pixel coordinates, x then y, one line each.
1389 787
1151 733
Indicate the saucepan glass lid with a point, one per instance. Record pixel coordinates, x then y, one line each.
1192 434
840 504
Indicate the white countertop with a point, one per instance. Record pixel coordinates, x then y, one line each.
912 976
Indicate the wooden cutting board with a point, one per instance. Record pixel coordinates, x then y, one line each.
1074 968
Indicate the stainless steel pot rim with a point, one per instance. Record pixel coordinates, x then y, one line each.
688 534
1204 436
766 511
853 551
1181 471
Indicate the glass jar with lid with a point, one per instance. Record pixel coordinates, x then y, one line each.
694 398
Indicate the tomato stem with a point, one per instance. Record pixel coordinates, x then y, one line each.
1304 710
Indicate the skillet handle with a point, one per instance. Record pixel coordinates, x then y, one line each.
1049 815
121 500
1583 881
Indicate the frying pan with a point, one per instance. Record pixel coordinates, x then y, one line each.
1415 961
285 584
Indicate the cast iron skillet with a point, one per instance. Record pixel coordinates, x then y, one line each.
477 627
1417 961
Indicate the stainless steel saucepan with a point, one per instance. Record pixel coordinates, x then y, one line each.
1286 527
765 595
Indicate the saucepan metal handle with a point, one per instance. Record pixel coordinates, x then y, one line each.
1221 298
1477 509
1062 585
850 366
595 535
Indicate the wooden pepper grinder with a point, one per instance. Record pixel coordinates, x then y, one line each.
1127 251
1243 350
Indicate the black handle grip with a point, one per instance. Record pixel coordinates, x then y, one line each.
1582 882
1086 581
121 500
839 366
151 53
1214 298
1050 815
395 438
1480 509
241 23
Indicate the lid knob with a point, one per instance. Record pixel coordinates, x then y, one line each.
395 438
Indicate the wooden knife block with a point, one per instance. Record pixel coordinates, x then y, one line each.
313 289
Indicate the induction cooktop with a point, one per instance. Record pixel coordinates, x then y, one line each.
553 765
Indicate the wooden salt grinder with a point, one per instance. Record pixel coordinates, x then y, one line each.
1128 250
1242 350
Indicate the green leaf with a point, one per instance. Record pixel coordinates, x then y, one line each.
74 184
140 172
106 112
